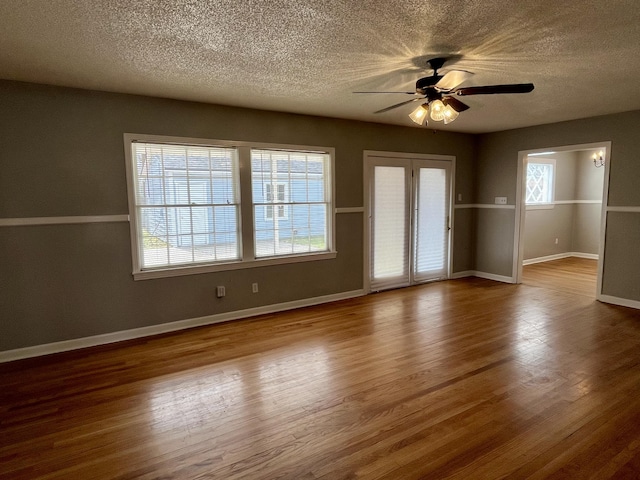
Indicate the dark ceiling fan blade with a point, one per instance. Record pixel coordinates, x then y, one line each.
397 105
491 89
406 93
424 83
456 104
452 79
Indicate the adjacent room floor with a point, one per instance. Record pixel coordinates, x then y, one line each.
571 275
464 379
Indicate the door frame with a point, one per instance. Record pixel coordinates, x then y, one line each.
368 157
518 238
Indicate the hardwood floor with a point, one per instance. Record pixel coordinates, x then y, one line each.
571 275
466 379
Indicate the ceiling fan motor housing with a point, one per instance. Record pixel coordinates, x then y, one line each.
423 85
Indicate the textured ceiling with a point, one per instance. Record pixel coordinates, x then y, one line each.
308 56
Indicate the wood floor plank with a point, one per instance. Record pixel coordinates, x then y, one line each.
461 379
571 275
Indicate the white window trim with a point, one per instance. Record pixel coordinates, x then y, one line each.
246 208
546 205
540 206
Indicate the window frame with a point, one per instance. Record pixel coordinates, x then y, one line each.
541 205
246 214
289 179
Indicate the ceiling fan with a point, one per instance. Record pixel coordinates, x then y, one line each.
440 93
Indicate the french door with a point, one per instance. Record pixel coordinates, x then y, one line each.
409 221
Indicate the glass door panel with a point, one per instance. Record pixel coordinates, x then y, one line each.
409 201
390 227
431 224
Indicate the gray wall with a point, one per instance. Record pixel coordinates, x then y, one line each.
63 155
496 175
587 216
543 226
575 225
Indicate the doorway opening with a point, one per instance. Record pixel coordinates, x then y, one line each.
409 217
560 217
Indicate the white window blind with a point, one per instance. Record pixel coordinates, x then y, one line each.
295 185
187 204
187 212
431 224
390 256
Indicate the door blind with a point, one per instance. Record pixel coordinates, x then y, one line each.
390 265
431 236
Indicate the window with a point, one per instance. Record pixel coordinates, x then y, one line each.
187 212
295 185
540 183
186 204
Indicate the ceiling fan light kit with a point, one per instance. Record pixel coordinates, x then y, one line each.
439 91
419 115
436 109
449 115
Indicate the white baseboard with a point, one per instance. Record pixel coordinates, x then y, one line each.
75 344
590 256
560 256
492 276
547 258
466 273
623 302
488 276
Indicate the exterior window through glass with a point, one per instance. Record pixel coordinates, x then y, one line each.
188 214
187 204
291 202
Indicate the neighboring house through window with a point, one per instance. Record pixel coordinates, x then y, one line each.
186 204
296 186
186 210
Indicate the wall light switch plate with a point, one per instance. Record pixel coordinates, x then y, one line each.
501 200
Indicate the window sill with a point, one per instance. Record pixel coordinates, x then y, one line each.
238 265
540 206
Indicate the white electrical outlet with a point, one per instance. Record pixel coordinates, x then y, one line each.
220 291
501 201
556 241
459 197
254 287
